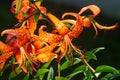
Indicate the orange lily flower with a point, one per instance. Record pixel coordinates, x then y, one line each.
7 50
27 46
46 53
22 37
29 9
77 26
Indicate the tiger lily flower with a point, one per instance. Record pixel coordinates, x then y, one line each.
7 50
26 46
61 28
88 20
46 53
27 11
22 37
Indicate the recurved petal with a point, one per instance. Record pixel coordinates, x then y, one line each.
94 8
69 13
106 27
9 31
60 27
69 21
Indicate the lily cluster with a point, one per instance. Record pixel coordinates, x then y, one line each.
26 46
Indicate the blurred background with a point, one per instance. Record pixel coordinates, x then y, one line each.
110 14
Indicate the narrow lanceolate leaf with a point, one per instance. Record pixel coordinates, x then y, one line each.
41 73
25 15
88 74
76 61
66 65
90 55
69 63
26 77
106 68
97 50
61 78
1 52
36 16
72 75
13 74
46 65
50 74
79 69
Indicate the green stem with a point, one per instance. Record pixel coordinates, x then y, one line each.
59 67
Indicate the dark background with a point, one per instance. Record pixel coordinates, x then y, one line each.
110 14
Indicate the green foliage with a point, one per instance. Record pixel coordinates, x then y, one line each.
77 68
25 15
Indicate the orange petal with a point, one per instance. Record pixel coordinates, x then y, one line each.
69 21
45 57
38 3
45 54
77 27
61 27
94 8
32 25
106 27
69 13
4 57
9 31
12 6
49 37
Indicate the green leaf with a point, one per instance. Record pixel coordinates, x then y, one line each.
45 66
69 63
1 52
36 16
5 67
80 68
97 50
65 65
116 76
77 60
108 75
12 59
88 75
26 77
13 74
111 76
69 26
61 78
106 68
50 74
41 73
90 55
72 75
104 79
25 15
